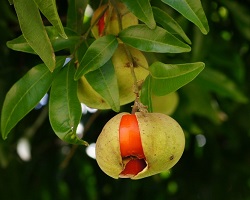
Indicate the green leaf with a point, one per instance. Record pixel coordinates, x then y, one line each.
142 10
168 78
215 81
200 102
49 10
58 43
146 93
169 24
25 94
192 10
75 14
99 52
34 31
152 40
64 107
104 81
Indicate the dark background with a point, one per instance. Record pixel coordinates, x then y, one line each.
215 109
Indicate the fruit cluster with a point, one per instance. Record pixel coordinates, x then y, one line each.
105 21
131 145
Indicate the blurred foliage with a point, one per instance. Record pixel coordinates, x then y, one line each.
214 107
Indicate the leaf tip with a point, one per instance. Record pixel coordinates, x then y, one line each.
64 35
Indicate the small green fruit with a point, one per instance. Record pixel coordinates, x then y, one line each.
166 104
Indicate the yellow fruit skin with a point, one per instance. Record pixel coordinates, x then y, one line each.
163 143
91 98
166 104
123 72
88 96
128 19
108 155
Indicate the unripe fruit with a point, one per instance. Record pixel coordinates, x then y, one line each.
120 60
139 145
128 19
166 104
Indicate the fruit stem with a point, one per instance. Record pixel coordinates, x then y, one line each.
137 104
108 17
136 86
119 16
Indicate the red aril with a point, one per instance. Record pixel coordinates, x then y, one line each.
131 146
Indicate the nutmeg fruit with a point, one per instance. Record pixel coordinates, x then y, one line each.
121 63
165 104
105 27
139 145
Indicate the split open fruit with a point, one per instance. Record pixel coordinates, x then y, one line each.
139 145
105 23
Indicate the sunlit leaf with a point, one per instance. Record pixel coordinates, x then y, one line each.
25 94
192 10
169 23
152 40
168 78
58 43
34 31
99 52
49 10
64 107
142 10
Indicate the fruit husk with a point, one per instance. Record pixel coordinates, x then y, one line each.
108 155
163 142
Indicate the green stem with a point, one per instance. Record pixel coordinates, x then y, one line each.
118 13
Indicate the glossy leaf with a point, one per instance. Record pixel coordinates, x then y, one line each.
49 10
168 78
104 81
25 94
34 31
192 10
142 10
99 52
64 107
152 40
75 14
58 43
168 23
217 82
146 93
